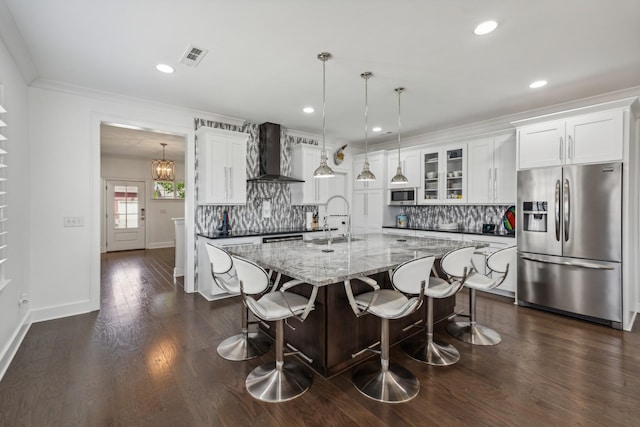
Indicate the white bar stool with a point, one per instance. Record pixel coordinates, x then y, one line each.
276 381
455 265
470 331
381 380
245 345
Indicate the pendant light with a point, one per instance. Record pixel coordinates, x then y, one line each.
163 170
323 171
366 174
399 178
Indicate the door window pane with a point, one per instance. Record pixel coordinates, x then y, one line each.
125 201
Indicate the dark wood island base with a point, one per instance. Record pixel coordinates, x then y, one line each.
332 333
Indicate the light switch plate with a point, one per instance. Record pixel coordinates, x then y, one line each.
266 209
73 221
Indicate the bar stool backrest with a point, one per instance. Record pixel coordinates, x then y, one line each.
457 262
407 276
255 279
222 269
499 260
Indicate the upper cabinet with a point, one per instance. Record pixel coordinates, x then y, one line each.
304 161
222 167
377 165
590 138
443 174
410 162
491 170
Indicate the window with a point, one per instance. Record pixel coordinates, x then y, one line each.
168 190
125 201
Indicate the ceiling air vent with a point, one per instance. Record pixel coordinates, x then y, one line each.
192 56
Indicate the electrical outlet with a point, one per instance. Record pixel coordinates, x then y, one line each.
73 221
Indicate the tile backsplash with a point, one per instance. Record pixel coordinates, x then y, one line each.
470 217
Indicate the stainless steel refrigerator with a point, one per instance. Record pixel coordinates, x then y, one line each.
569 231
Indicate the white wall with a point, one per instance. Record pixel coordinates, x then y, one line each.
14 320
65 142
159 227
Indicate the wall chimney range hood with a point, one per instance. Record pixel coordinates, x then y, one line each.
269 156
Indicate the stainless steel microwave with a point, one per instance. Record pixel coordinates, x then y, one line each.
403 196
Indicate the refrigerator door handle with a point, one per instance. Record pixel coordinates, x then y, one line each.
558 210
566 208
582 264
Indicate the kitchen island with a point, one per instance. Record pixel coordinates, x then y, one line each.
332 333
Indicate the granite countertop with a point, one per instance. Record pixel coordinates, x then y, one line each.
365 255
477 231
253 233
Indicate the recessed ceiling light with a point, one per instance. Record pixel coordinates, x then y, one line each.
485 28
537 84
308 110
164 68
376 129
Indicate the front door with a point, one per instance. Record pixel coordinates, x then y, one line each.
125 215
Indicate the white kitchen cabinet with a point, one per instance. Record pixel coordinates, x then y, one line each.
222 167
410 161
366 214
590 138
508 287
377 165
206 286
443 174
304 161
491 170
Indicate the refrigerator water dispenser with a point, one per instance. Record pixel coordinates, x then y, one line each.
535 216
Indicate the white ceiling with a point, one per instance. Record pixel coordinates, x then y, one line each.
117 141
262 63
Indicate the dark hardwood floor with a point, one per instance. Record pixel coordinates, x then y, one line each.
148 358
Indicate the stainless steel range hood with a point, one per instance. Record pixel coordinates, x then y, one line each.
269 156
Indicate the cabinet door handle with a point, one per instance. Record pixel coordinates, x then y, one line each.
366 204
570 149
489 186
226 184
230 182
495 184
560 152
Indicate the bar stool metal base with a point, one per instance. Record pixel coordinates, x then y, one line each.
273 383
392 385
473 334
431 352
244 346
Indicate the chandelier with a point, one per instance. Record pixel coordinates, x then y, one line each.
163 170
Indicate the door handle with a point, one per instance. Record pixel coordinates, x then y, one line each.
570 148
557 210
566 206
583 264
226 184
495 184
560 151
141 214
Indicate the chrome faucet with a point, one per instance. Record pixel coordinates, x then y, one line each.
348 215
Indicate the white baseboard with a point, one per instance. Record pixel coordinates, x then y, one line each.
160 245
10 350
178 272
58 311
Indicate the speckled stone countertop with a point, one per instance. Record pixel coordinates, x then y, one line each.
365 255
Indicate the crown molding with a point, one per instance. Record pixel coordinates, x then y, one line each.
57 86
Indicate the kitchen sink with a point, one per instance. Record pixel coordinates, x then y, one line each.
324 241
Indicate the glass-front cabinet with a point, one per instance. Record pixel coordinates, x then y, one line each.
444 174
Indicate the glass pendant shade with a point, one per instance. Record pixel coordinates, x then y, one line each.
163 170
366 174
323 171
399 178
